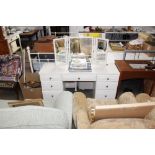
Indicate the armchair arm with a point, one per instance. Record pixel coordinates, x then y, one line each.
64 103
33 117
82 119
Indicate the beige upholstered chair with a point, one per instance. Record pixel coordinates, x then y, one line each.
126 112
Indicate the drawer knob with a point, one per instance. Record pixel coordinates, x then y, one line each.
51 86
106 86
107 78
52 96
78 78
50 78
105 96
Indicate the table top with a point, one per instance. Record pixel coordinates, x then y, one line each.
100 68
127 72
123 65
29 34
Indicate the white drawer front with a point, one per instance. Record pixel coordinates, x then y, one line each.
50 77
53 85
79 77
106 85
50 95
102 94
107 78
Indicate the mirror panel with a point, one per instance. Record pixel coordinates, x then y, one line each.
81 46
60 49
100 49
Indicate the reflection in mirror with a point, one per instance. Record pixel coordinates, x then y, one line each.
100 49
60 50
60 45
101 44
81 46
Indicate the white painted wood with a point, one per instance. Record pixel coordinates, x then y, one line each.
102 75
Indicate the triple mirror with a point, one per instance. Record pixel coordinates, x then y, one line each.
86 47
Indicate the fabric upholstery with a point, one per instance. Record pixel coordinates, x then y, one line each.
93 102
79 103
142 97
33 117
127 98
55 116
82 119
64 102
10 67
123 123
151 115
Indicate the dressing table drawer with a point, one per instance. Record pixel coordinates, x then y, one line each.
103 94
107 77
79 77
50 95
106 85
50 77
52 85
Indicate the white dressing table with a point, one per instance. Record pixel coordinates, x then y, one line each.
53 76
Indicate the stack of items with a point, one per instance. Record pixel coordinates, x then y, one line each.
80 64
117 46
136 44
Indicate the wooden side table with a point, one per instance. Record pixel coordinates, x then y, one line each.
29 36
127 72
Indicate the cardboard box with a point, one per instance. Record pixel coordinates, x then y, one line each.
147 46
29 92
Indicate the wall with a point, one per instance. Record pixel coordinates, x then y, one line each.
22 28
76 29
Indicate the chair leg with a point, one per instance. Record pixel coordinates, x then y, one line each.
17 90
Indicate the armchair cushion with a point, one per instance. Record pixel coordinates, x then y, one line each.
123 123
142 97
127 98
151 115
137 110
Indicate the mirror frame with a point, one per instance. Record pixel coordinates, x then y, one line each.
65 49
102 52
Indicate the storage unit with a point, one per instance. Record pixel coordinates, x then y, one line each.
52 86
106 86
9 43
53 77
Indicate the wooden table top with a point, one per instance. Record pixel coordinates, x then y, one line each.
28 34
127 72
